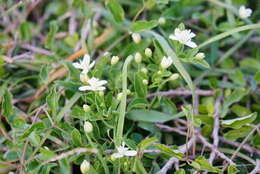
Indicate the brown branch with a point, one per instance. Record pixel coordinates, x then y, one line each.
36 50
71 152
216 127
182 92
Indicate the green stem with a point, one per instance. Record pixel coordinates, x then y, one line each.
122 107
98 155
230 32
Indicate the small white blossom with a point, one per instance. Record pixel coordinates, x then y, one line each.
174 76
84 167
136 38
83 78
123 151
184 37
162 21
145 82
148 52
94 84
166 62
107 53
119 96
88 127
85 65
86 108
114 60
144 70
138 57
244 12
200 56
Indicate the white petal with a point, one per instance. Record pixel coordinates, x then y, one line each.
191 44
77 65
100 88
86 59
130 153
117 155
92 64
84 88
177 31
101 82
173 37
192 35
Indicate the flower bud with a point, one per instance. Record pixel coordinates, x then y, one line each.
119 96
144 70
84 167
200 56
145 82
86 108
106 53
138 57
174 76
148 52
128 92
166 62
114 60
83 78
136 38
162 21
159 72
88 127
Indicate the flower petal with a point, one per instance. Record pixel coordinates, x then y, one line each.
191 44
77 65
117 155
173 37
85 88
102 88
130 153
101 82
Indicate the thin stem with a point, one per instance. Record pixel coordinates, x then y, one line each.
122 107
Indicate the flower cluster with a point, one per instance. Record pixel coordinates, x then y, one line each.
93 84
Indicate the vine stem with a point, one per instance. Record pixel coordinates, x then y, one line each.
122 107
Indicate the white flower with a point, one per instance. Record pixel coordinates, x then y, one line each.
174 76
83 78
94 85
88 127
148 52
84 167
86 108
184 37
244 12
114 60
123 151
136 38
144 70
85 65
166 62
138 57
162 21
200 56
145 82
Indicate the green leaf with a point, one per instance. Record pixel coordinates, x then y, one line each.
147 142
180 171
236 96
257 77
151 116
139 26
65 166
25 31
46 154
239 122
201 163
36 126
116 10
49 43
74 72
140 88
232 170
138 103
170 152
233 135
76 137
203 63
7 106
138 167
53 101
240 110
